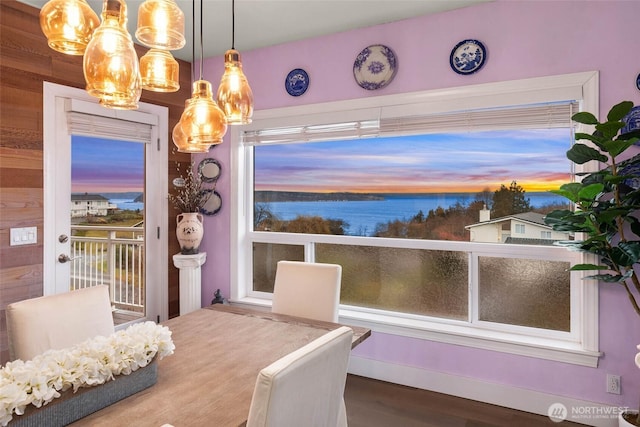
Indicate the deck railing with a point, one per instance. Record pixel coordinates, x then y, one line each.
113 256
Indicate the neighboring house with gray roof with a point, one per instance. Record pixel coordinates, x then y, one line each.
90 205
524 228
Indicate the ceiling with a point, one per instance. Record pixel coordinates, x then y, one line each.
262 23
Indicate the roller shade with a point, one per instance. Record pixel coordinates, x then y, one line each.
537 116
90 119
544 116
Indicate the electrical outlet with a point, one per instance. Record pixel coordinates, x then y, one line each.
613 384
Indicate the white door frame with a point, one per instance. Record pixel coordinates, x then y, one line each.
57 154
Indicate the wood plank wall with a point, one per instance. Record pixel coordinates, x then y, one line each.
25 63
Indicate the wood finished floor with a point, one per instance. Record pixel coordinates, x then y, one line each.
373 403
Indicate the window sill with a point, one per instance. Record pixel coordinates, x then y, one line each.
542 348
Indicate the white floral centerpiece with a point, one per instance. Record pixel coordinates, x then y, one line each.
93 362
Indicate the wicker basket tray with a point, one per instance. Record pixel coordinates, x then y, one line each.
70 406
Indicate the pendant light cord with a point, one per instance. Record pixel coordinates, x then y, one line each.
193 39
201 42
233 24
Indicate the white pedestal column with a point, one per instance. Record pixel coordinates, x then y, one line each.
190 280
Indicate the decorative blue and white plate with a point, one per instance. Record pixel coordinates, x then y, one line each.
375 67
631 121
468 56
297 82
634 172
213 203
638 82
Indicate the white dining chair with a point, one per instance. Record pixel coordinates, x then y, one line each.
305 387
305 289
58 321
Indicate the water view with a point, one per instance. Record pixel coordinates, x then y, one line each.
363 216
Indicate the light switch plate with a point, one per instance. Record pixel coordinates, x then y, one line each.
24 236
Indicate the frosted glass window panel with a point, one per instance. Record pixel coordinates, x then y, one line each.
425 282
265 262
524 292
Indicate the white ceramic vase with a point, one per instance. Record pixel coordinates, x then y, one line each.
189 231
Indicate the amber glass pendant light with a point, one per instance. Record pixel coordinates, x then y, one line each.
202 123
181 141
68 25
160 25
234 93
159 71
110 62
130 102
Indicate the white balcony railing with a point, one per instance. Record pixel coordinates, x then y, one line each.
113 256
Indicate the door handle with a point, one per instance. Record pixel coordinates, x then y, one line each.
62 258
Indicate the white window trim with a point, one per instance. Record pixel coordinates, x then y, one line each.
57 101
582 349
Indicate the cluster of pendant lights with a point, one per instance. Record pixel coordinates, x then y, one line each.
114 76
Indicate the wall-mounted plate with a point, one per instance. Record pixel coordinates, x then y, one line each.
375 67
209 170
632 121
468 56
297 82
213 204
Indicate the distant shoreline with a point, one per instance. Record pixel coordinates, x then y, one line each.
267 196
295 196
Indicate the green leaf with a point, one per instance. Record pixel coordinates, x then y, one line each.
569 191
634 134
617 146
599 141
590 192
622 257
581 153
609 129
609 278
632 250
588 267
585 117
619 111
635 228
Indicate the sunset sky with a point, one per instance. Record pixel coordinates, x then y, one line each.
106 166
463 162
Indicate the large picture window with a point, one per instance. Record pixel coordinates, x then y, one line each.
435 213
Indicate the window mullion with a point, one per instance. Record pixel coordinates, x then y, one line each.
473 288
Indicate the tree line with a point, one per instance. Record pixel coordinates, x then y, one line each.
437 224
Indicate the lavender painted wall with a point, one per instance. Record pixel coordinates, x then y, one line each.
524 39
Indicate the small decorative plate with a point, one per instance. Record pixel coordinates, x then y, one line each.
632 121
638 82
375 67
209 170
213 204
634 172
297 82
468 56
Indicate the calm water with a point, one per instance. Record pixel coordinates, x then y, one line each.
127 204
363 216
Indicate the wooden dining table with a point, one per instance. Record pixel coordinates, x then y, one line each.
209 379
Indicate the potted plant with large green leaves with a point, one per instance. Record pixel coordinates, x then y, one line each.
607 205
